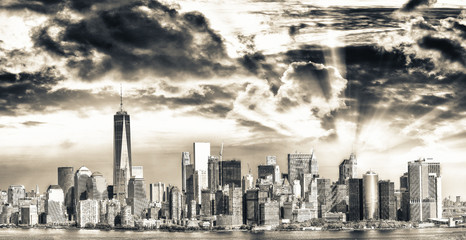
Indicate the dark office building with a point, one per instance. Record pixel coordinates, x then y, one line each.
404 181
265 170
252 206
324 196
230 173
190 188
387 200
355 211
213 172
110 191
221 203
404 210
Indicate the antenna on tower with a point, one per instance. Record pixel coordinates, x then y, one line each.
221 153
121 98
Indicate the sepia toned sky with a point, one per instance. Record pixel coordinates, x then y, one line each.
386 80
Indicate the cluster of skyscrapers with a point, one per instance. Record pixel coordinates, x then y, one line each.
215 193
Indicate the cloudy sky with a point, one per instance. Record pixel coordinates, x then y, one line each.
385 80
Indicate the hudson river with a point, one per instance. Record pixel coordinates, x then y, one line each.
432 233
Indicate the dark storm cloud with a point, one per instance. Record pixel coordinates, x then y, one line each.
208 94
259 65
135 41
25 89
382 81
328 121
450 49
32 123
313 78
461 28
413 4
433 100
254 126
40 6
207 100
216 110
342 19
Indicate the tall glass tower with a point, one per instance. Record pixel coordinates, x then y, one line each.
122 163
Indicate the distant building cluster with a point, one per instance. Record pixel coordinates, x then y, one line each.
214 192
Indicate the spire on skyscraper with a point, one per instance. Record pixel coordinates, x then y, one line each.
121 98
221 153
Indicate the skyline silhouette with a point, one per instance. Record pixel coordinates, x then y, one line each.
383 80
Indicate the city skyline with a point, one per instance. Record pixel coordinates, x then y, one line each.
267 79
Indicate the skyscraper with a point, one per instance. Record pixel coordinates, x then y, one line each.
87 212
248 182
404 181
324 196
80 183
185 160
355 206
404 201
137 196
201 155
97 187
190 183
66 182
230 173
265 170
370 195
387 200
213 173
207 202
54 207
122 164
424 190
15 192
348 169
200 177
301 163
176 203
158 192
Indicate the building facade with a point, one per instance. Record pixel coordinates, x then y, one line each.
122 163
355 205
301 163
158 192
424 182
97 187
87 213
137 196
54 206
387 201
370 195
80 183
66 182
347 169
230 173
185 160
16 192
